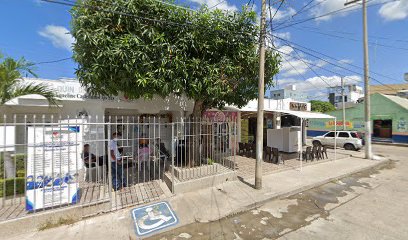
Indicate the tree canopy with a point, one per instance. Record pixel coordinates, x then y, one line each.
141 48
321 106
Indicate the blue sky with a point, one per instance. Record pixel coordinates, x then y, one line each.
38 31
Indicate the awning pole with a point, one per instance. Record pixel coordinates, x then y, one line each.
335 138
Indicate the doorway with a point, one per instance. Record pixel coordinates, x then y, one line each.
382 128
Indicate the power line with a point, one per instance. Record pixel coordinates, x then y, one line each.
301 11
303 8
53 61
335 59
307 65
222 1
339 66
280 5
353 39
314 65
352 33
187 24
175 6
341 10
299 74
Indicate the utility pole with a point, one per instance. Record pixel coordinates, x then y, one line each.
342 104
367 110
261 92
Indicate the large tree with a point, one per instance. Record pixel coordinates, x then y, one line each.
321 106
11 84
142 48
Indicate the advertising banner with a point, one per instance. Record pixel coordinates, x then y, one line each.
53 164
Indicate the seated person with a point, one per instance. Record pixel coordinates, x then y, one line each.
143 153
89 158
163 150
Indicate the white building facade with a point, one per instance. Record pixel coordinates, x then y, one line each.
352 95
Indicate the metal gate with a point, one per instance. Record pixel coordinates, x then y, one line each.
104 163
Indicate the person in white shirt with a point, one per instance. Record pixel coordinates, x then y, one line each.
118 179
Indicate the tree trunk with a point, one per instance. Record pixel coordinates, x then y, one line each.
194 153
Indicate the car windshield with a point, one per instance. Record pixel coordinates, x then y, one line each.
330 134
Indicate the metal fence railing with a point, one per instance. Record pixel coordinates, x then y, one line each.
49 162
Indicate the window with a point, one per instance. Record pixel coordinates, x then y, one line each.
354 135
330 134
344 134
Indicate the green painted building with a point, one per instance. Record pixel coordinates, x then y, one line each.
389 115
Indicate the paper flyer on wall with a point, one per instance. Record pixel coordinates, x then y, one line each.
53 164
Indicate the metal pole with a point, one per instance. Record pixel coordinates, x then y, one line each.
335 138
367 110
300 144
368 153
342 105
173 138
261 92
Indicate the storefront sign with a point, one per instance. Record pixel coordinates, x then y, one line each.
154 217
220 116
330 124
72 90
53 163
296 106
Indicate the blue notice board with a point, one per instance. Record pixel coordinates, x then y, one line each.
154 217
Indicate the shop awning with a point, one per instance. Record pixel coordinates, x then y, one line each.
300 114
303 114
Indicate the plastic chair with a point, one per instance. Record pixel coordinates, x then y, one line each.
324 152
241 148
268 152
277 158
315 155
307 155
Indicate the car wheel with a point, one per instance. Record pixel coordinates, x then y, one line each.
349 146
316 143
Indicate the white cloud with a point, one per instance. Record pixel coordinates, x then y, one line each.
280 14
38 2
286 50
295 63
345 61
58 35
327 6
220 4
394 10
293 67
319 83
284 35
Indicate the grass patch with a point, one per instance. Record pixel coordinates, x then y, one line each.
60 222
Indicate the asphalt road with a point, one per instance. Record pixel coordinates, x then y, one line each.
369 205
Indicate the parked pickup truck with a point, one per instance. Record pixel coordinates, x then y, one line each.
350 140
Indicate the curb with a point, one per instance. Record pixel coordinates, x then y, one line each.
287 194
302 189
391 144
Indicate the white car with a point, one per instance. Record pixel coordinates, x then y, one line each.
350 140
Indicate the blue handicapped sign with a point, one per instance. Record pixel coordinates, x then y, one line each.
154 217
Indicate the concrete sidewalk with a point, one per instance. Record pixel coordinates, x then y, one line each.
210 204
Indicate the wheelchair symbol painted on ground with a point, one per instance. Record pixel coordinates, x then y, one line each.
154 217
